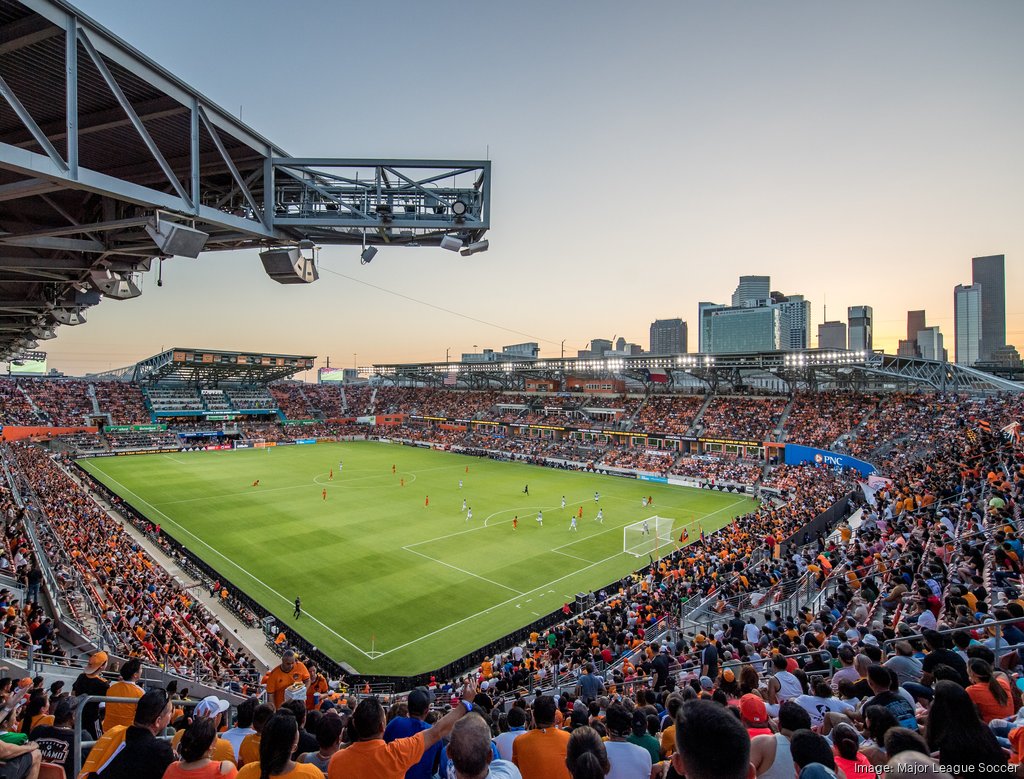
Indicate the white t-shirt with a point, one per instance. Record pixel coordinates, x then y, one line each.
817 707
628 761
752 633
503 742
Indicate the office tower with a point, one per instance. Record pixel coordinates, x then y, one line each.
915 323
861 326
967 323
752 291
929 343
832 335
668 336
730 329
795 322
990 273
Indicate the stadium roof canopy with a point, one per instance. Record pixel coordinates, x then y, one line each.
211 367
815 369
108 161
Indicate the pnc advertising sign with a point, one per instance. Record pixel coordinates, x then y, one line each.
798 455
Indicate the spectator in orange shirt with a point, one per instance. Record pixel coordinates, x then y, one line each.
289 672
370 756
541 753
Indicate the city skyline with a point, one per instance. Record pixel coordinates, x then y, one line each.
842 157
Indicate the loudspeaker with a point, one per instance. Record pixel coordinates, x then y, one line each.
451 244
114 286
288 266
177 239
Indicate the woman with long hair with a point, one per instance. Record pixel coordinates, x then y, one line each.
278 740
846 748
989 691
36 712
196 752
957 733
585 755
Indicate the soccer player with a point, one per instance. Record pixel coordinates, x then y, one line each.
650 500
643 502
256 483
460 484
323 495
579 513
463 504
469 514
645 528
402 481
467 469
392 469
597 497
600 516
330 476
563 501
298 608
572 525
426 503
526 489
340 465
515 522
540 518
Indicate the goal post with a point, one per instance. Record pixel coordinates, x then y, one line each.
648 536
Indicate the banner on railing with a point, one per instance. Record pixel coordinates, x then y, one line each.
798 455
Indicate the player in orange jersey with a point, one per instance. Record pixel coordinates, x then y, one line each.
256 483
515 522
323 495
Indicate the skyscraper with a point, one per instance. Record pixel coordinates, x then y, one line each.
751 290
967 323
929 343
990 273
668 336
915 323
832 335
731 329
861 326
795 322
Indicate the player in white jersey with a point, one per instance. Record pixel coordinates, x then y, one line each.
469 515
463 504
643 502
340 465
572 524
460 484
600 516
597 497
646 528
540 518
563 501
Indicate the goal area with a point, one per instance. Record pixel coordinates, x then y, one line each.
648 536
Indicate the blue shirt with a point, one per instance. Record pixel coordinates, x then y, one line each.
403 727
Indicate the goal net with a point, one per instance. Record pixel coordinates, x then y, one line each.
648 536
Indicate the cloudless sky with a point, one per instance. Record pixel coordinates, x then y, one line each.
644 156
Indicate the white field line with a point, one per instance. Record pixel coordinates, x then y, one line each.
463 570
574 557
237 566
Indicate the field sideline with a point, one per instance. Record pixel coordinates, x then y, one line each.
389 584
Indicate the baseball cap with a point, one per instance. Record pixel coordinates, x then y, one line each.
753 710
419 701
728 675
870 640
706 683
97 659
210 706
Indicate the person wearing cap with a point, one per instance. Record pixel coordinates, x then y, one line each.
628 761
91 682
403 727
56 741
288 673
754 715
126 687
707 687
211 707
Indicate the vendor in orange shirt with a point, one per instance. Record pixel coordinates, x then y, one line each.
279 679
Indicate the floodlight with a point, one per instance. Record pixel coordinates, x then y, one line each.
475 248
459 208
114 285
451 243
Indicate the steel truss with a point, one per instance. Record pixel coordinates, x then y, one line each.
96 141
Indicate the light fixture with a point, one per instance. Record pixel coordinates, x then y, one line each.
289 266
68 316
451 243
475 248
112 285
459 208
176 239
368 254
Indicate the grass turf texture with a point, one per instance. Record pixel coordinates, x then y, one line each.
390 585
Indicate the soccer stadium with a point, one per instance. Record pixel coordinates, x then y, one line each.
756 558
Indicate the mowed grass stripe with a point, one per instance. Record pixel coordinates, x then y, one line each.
353 558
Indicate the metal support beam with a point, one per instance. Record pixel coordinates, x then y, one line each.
257 211
71 93
26 32
30 124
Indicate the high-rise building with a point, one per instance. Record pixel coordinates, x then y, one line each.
929 343
915 323
704 310
967 323
795 321
990 273
832 335
908 348
668 336
731 329
861 326
752 291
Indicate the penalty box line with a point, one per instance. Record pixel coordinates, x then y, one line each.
235 565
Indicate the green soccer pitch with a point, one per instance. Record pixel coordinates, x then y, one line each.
389 584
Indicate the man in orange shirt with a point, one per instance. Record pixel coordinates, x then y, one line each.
370 756
540 753
284 676
126 687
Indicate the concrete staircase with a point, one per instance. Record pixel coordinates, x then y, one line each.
696 426
779 432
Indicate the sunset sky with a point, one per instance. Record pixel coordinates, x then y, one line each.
644 156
